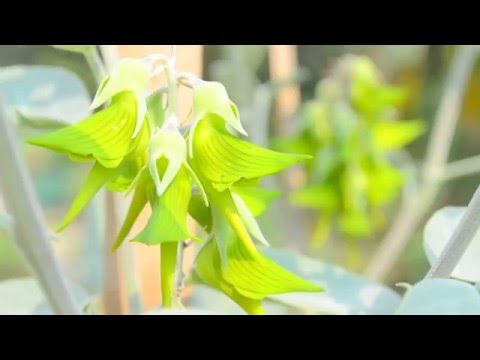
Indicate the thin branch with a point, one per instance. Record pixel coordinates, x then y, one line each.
30 232
415 208
461 168
458 243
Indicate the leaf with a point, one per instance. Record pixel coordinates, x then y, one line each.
104 136
440 297
44 92
6 223
40 123
247 279
222 159
75 48
393 135
437 233
168 222
351 293
23 296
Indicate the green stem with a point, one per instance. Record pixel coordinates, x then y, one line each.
168 264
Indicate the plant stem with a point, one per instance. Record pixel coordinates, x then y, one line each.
458 243
30 232
461 168
416 206
168 265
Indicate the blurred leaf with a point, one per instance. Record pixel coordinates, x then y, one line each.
317 197
440 297
24 297
40 123
6 223
46 92
348 292
394 135
155 108
75 48
437 233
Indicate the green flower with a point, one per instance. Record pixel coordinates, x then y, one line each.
116 137
224 162
247 279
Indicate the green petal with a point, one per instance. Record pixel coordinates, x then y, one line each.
97 178
200 213
257 199
250 277
212 98
248 219
168 222
138 203
223 159
105 136
128 75
208 270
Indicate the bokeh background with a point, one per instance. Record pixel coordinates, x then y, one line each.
244 69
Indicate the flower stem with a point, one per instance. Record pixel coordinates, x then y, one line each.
168 264
30 232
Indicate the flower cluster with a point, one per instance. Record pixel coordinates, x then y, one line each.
160 165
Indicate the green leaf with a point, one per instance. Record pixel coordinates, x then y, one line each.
75 48
384 183
104 136
45 92
97 178
247 279
40 123
356 224
256 199
440 297
437 233
392 135
348 292
222 159
168 222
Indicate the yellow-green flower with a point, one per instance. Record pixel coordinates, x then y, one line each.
115 138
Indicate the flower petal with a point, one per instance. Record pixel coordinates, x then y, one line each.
168 222
105 136
223 159
97 178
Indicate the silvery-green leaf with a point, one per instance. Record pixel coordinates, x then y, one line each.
349 293
440 297
44 92
438 232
